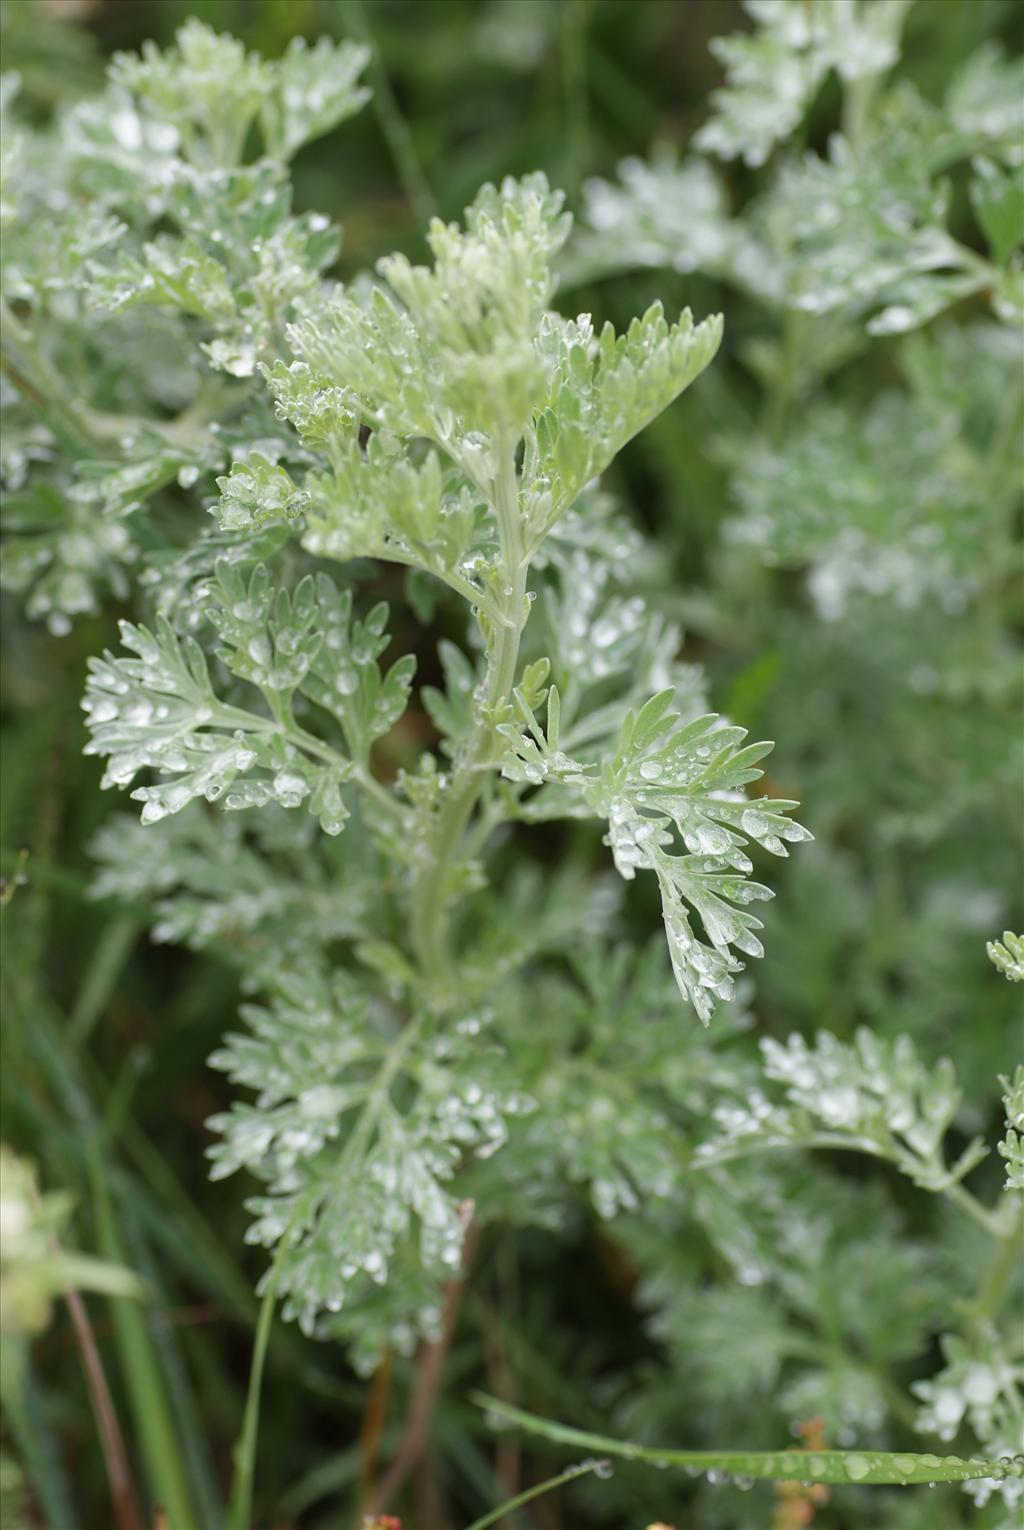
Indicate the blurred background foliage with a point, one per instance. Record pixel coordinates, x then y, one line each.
891 720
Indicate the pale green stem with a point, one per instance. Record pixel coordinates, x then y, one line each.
968 1203
390 554
857 97
378 1096
957 1193
431 892
360 771
1008 1255
25 365
284 722
240 1510
362 775
492 813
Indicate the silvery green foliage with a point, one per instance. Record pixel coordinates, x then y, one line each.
608 650
445 418
873 1096
1008 955
1012 1146
876 468
802 1277
857 235
863 232
665 776
879 1098
982 1384
352 1178
472 377
615 1084
210 90
976 1379
774 72
894 505
660 213
983 102
57 554
160 710
400 1081
205 878
132 227
458 362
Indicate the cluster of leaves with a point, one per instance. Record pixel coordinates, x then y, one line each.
356 1184
774 72
159 711
663 775
134 225
873 1096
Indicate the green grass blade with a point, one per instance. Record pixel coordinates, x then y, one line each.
101 975
835 1467
574 87
181 1395
335 1475
25 1415
165 1471
240 1513
393 125
549 1486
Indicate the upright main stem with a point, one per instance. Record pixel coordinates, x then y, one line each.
25 365
1005 1261
432 889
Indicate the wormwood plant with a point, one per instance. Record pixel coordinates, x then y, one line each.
446 1032
450 422
446 419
